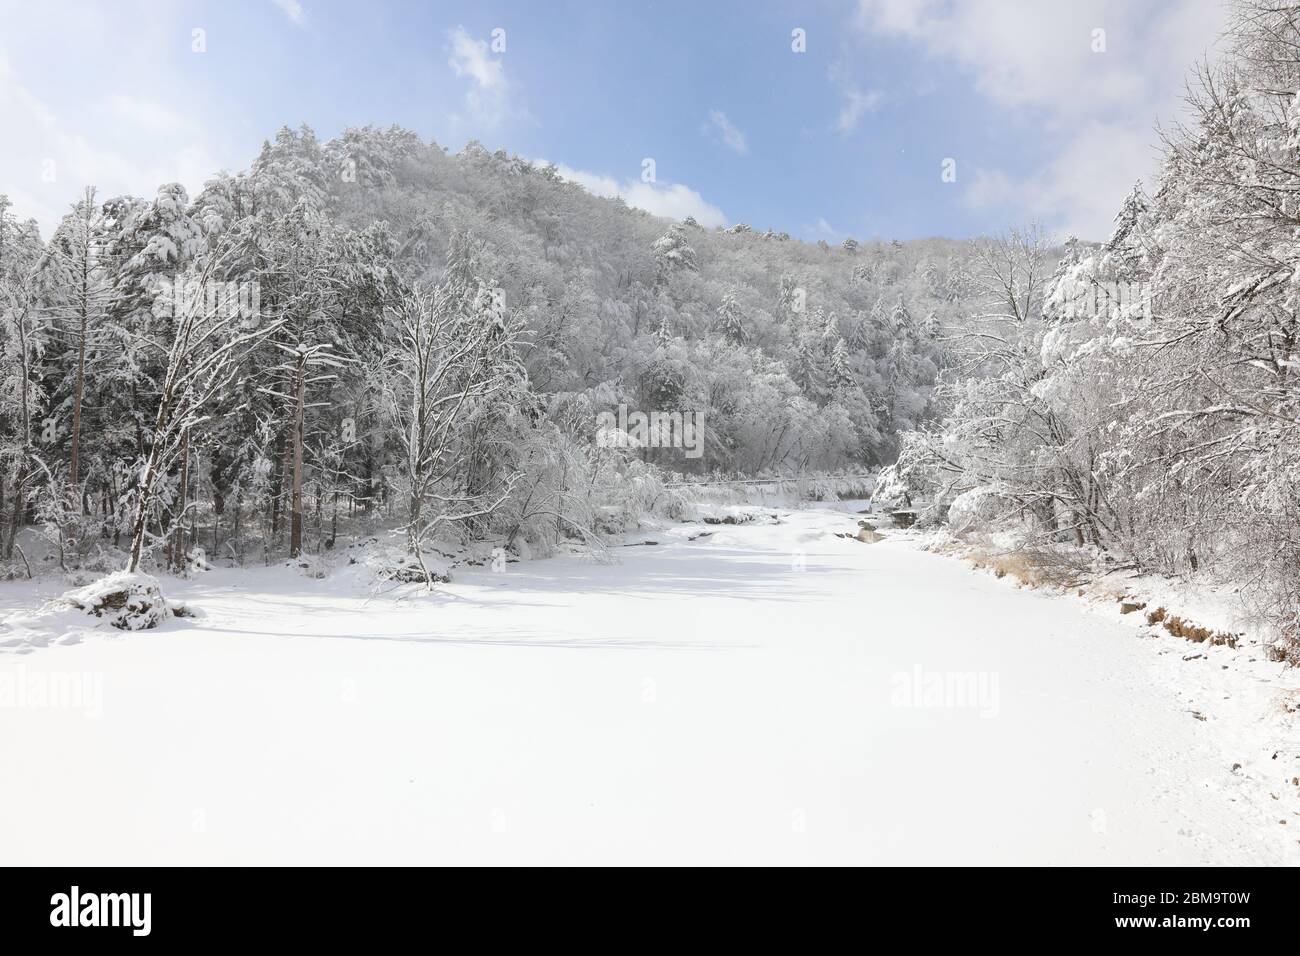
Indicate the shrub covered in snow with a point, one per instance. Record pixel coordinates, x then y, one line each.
974 509
891 488
129 602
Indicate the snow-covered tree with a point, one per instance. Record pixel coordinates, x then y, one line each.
450 349
201 360
731 318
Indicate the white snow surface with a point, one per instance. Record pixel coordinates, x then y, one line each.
771 693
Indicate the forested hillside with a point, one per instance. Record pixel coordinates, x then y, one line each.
374 328
1143 402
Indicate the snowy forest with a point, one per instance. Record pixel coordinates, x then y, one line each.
1141 400
373 332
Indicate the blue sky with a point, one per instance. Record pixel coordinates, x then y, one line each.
846 138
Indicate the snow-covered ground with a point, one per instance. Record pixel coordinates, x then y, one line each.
769 693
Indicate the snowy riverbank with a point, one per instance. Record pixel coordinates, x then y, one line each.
767 693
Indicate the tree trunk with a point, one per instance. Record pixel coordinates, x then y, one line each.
78 390
334 523
295 526
281 458
145 497
414 509
16 515
178 536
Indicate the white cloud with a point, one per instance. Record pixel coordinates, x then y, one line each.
1096 110
470 57
856 103
821 229
45 166
293 10
487 102
1080 190
148 114
673 200
722 128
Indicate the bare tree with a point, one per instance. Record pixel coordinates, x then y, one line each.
451 348
201 362
24 328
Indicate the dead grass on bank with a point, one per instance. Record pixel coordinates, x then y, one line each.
1189 631
1047 568
1034 567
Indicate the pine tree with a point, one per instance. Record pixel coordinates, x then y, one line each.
664 334
731 319
841 374
673 252
77 274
